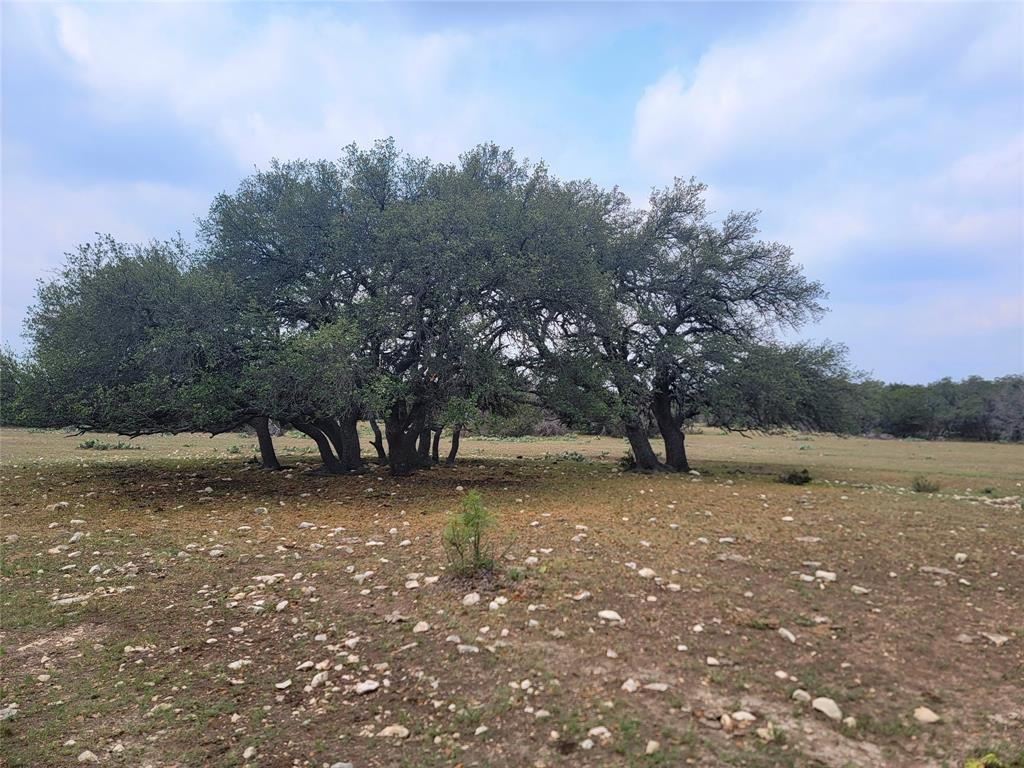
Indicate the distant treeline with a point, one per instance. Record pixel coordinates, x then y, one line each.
972 409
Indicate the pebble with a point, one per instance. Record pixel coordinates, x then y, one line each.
87 756
250 752
471 599
652 747
960 557
801 695
367 686
828 708
925 716
787 634
631 686
421 627
608 615
394 732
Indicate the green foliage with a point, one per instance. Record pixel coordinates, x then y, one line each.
484 293
628 461
922 484
574 456
796 478
972 409
98 445
466 538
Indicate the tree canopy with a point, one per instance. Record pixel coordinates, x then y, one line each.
385 287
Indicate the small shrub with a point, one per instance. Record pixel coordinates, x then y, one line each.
628 461
571 456
98 445
234 449
803 477
467 544
924 485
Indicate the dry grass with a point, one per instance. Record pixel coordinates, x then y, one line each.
150 524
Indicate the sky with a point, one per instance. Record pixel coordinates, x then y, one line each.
883 142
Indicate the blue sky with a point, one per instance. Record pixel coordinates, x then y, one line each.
885 143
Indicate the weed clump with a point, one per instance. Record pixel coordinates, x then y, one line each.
98 445
924 485
628 461
466 540
803 477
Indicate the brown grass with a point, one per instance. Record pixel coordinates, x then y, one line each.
150 520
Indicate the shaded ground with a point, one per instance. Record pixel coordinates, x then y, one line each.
124 640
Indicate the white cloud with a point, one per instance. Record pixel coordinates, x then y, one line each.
284 85
796 86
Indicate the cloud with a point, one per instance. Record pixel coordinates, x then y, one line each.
303 83
801 85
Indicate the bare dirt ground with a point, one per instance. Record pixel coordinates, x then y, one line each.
176 606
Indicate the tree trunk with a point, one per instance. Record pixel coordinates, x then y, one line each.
402 428
349 428
435 447
671 428
456 434
646 460
267 455
423 446
330 428
323 444
344 436
378 442
402 456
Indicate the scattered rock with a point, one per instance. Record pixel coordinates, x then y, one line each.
925 716
652 747
420 628
787 634
608 615
471 599
997 640
367 686
828 708
87 756
394 732
249 753
801 695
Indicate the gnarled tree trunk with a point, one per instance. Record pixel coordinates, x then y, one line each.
671 427
268 457
344 436
403 427
646 460
435 446
454 451
323 444
378 442
423 446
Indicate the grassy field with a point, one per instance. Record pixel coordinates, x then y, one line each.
170 604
